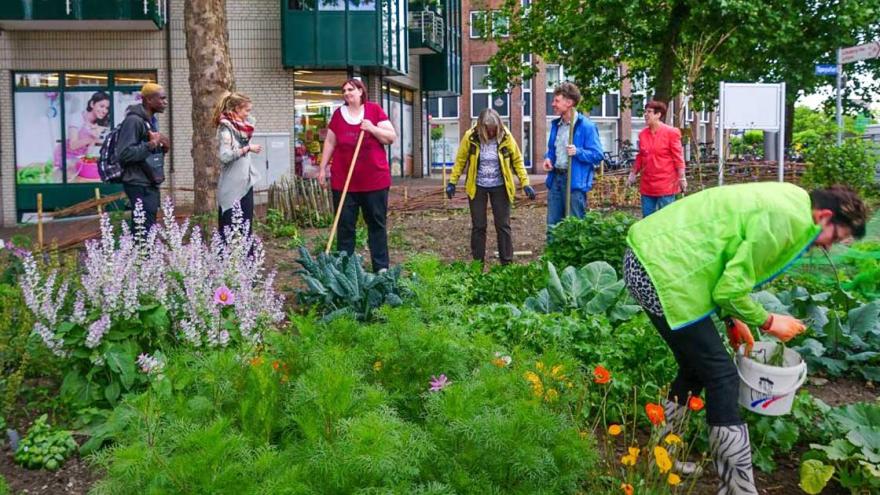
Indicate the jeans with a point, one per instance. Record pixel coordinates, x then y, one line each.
373 205
650 204
247 214
556 201
500 213
149 197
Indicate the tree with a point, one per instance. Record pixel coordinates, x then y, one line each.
210 76
686 45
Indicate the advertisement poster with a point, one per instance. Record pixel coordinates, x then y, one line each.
121 101
87 119
37 133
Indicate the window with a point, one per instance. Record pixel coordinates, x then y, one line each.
638 102
484 96
88 103
316 95
443 108
527 89
555 76
481 19
608 107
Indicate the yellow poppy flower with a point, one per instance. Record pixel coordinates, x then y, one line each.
552 395
614 430
673 479
672 439
556 372
661 455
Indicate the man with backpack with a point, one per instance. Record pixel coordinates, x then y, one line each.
140 151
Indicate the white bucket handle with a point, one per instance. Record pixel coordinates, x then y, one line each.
801 380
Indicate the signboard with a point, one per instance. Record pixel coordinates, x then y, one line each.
751 106
826 70
860 52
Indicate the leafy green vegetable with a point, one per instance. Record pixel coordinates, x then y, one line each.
44 447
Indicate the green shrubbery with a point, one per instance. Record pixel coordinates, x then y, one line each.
599 236
853 164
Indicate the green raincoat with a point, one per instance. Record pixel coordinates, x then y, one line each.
711 249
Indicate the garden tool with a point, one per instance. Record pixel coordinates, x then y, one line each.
732 454
568 175
357 150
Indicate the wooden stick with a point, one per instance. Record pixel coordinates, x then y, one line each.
98 200
40 221
568 175
357 150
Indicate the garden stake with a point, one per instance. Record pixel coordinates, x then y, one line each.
357 150
98 200
568 175
40 221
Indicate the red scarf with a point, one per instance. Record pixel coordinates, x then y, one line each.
242 126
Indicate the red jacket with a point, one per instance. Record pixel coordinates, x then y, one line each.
660 159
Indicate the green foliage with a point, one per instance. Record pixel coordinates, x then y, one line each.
596 237
851 449
44 447
4 486
16 351
279 227
750 144
774 435
837 342
338 284
813 128
853 163
592 290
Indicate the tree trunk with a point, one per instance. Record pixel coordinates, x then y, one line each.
666 69
791 95
210 75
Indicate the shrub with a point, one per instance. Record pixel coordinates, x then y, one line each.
16 323
140 295
596 237
44 447
853 163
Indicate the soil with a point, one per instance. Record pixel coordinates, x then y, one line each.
444 231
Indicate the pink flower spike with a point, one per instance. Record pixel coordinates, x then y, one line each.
224 296
439 383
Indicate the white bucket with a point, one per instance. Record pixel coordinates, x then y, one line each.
765 389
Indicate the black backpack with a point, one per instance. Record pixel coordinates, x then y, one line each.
109 167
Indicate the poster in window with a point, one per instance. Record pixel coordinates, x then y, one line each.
87 121
396 146
121 101
37 133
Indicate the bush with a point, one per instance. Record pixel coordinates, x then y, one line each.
16 323
853 163
138 297
596 237
44 447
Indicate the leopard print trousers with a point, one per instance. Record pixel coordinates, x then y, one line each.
640 285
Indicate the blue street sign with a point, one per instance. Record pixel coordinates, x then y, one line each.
826 70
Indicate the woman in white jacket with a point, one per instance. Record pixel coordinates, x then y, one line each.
238 174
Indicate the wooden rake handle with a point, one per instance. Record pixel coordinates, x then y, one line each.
357 150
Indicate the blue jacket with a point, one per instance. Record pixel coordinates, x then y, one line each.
588 153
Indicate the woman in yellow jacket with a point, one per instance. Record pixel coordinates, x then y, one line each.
491 157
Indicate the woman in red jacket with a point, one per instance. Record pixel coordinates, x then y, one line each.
660 161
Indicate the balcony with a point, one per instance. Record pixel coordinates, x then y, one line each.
83 15
441 69
426 33
330 34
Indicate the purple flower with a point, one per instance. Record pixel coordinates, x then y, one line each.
439 383
97 331
150 364
223 296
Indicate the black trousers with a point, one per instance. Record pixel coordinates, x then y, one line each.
373 205
149 197
703 363
500 213
247 214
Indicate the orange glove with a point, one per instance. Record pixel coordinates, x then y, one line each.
739 333
784 327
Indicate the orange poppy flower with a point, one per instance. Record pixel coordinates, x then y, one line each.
601 375
627 489
655 413
695 403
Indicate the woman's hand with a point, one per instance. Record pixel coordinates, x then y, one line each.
368 126
256 148
322 177
739 333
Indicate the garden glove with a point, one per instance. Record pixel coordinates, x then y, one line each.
784 327
450 190
739 333
530 192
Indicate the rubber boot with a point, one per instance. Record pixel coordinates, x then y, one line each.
732 454
675 412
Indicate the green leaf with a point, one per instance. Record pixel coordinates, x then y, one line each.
814 476
864 319
812 347
554 287
111 392
839 450
121 360
868 438
156 318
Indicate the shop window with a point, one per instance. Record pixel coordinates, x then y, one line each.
317 94
59 133
484 96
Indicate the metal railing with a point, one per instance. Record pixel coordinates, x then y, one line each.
431 27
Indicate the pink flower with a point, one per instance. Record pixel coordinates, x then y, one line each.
223 296
439 383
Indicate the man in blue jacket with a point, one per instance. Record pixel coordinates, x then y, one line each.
563 158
